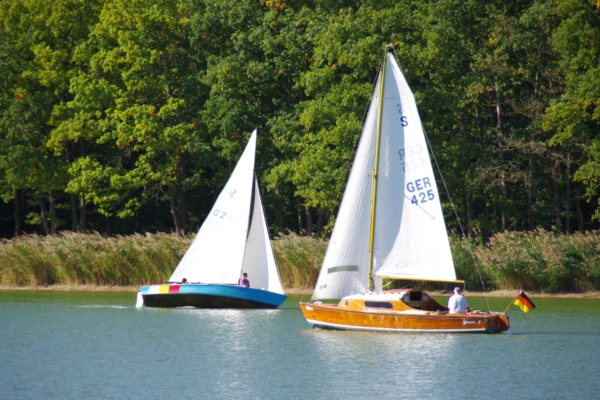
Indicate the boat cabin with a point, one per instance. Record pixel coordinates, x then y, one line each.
396 299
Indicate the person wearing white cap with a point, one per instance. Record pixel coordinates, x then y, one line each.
457 304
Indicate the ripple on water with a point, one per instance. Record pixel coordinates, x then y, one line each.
100 346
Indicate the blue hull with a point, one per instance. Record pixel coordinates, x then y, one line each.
209 296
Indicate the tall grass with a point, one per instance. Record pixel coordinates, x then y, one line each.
466 263
538 260
91 259
299 260
542 261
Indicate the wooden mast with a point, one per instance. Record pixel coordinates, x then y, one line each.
376 169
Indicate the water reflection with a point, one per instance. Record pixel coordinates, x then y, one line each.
405 361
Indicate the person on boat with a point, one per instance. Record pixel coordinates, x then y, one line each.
244 280
184 280
457 303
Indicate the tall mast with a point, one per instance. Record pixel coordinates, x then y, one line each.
376 168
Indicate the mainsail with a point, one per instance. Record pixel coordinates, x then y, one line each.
345 268
410 238
217 253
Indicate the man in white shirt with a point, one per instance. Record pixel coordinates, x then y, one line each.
457 304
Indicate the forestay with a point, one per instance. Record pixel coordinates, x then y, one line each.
217 252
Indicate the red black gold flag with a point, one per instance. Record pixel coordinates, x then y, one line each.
523 302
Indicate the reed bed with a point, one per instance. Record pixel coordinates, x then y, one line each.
299 259
539 260
89 259
93 259
542 261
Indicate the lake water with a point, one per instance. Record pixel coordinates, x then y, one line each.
76 345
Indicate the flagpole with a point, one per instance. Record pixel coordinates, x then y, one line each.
512 301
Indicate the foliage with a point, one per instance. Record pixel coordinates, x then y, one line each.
574 117
135 112
135 101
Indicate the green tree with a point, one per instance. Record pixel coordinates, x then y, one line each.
574 117
320 133
254 78
39 40
135 110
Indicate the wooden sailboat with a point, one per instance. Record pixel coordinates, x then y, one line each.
233 239
390 226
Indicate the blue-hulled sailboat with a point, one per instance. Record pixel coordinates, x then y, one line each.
232 240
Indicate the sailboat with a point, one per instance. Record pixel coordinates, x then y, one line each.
390 226
232 240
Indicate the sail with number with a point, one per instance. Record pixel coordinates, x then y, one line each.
234 236
410 238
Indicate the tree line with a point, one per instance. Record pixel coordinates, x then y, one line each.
122 116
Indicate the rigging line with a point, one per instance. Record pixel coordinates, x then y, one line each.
421 208
302 294
457 218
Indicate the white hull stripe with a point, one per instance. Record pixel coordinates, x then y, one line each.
373 329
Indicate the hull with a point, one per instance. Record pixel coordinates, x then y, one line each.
209 296
329 316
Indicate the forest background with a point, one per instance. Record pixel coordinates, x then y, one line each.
126 117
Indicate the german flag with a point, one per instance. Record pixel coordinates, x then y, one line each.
523 302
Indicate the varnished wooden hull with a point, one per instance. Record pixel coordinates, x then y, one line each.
328 316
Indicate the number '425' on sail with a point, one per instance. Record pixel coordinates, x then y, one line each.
390 226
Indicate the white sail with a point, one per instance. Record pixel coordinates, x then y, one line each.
411 241
217 252
345 268
410 234
259 261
